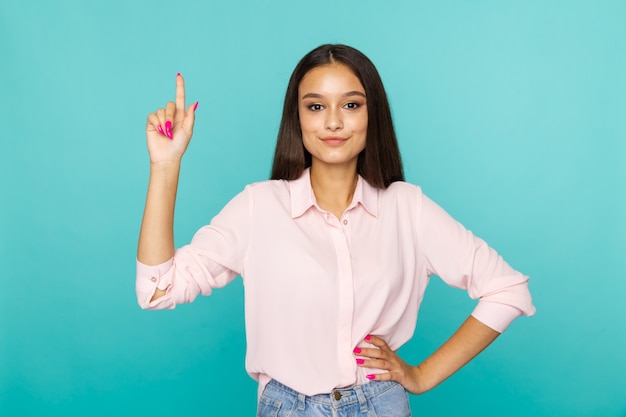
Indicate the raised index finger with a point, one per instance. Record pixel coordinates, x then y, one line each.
180 97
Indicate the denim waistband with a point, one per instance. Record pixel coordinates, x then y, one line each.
338 397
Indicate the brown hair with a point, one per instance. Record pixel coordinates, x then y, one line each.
379 163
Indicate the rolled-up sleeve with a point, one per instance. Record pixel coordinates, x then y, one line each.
148 279
465 261
212 259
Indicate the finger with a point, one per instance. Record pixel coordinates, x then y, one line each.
180 98
190 117
379 377
373 353
378 342
375 364
160 114
170 110
153 123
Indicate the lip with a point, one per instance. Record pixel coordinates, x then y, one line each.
333 140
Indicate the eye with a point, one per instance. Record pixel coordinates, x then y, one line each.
352 106
315 107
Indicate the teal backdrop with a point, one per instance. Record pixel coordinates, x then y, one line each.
510 114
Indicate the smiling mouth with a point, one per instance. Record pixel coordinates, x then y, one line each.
333 140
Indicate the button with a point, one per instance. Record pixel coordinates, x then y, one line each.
153 279
337 395
345 222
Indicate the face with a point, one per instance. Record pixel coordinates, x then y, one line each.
333 115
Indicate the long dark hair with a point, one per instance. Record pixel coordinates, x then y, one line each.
379 163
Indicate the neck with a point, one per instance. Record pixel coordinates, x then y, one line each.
333 187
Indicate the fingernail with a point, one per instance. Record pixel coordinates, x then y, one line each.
178 75
370 376
357 350
160 129
195 107
360 361
168 129
368 337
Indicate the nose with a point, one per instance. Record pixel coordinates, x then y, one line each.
334 120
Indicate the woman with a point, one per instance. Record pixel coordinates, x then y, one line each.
335 251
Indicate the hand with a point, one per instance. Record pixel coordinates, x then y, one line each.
169 130
382 357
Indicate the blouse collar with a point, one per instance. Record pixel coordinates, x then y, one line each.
303 198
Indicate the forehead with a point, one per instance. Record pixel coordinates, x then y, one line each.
330 78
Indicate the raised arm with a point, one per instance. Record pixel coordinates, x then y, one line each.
168 132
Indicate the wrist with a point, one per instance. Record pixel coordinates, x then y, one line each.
424 381
165 167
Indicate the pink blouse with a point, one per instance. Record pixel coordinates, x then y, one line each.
316 285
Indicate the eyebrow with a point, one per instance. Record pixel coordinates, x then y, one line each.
348 94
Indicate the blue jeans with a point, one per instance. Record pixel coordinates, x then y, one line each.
375 399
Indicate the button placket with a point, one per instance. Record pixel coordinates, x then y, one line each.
345 288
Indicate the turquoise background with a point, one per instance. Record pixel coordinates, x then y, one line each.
510 114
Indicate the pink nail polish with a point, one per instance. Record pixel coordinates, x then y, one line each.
357 350
368 337
178 75
195 107
160 129
360 361
168 129
370 376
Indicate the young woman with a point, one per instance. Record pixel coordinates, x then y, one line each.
335 251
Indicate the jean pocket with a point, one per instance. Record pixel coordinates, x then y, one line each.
392 403
268 407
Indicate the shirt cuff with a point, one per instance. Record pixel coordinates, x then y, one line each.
148 279
495 315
